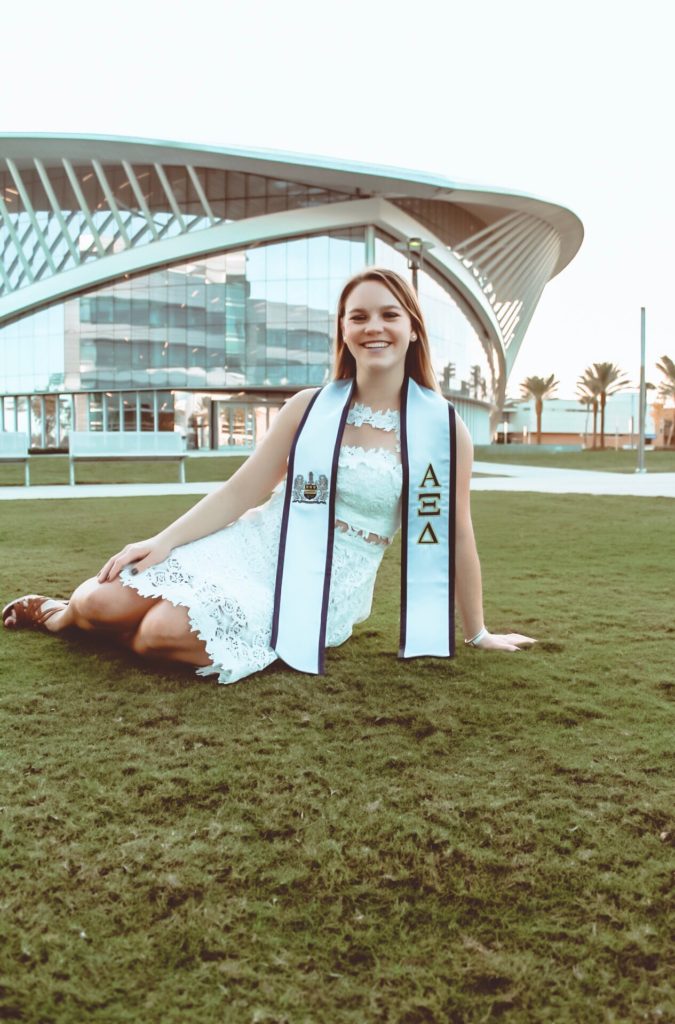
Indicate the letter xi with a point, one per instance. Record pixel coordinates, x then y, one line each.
428 505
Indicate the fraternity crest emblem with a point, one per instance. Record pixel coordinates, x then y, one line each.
310 491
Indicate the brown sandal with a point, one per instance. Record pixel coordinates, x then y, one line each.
30 613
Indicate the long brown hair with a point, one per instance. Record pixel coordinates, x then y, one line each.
418 357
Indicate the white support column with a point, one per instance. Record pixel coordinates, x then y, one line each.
519 275
138 410
25 199
47 186
120 406
155 411
107 191
499 258
4 215
43 422
140 198
370 245
468 248
510 320
170 196
2 414
530 297
79 195
197 185
104 410
3 273
57 421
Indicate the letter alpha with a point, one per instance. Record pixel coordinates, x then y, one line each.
430 475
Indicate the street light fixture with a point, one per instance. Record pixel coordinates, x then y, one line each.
414 248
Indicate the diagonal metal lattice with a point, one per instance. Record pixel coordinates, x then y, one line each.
39 240
511 261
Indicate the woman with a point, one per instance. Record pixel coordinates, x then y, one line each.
202 590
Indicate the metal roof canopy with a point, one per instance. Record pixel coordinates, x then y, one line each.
323 172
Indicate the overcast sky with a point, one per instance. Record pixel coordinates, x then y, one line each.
571 102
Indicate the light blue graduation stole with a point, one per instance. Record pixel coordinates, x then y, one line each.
428 456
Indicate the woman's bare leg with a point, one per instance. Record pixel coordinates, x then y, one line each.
150 626
165 632
111 607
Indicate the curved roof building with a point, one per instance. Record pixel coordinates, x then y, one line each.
156 285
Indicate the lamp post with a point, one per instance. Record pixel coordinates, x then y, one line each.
414 249
643 394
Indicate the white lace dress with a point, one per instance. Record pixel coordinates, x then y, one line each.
227 579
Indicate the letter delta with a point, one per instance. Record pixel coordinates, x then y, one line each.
428 498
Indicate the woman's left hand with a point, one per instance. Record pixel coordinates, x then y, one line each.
504 641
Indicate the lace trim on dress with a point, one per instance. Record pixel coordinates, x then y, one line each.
218 619
381 419
355 454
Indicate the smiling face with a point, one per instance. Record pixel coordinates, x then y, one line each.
376 328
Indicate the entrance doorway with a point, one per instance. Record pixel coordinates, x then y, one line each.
240 426
235 426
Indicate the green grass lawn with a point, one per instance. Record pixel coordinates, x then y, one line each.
488 838
607 460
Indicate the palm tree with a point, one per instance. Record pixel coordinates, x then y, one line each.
667 391
589 400
608 378
588 391
667 386
477 381
538 388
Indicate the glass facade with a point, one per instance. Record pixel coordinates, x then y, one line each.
208 347
261 317
32 352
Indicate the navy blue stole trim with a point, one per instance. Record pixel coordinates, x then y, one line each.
453 527
331 530
284 522
405 491
405 526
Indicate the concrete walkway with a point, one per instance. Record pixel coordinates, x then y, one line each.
506 478
545 480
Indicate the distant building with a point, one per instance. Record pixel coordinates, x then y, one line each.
161 286
664 422
566 421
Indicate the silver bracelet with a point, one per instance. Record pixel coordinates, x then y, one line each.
473 642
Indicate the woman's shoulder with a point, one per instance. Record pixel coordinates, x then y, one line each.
301 399
295 407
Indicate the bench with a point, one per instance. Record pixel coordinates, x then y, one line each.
108 445
14 448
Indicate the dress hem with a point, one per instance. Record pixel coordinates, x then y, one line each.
203 671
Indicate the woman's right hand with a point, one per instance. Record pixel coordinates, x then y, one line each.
144 553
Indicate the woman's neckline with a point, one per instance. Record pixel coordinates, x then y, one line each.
369 408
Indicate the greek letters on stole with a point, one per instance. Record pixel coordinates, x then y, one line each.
428 455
